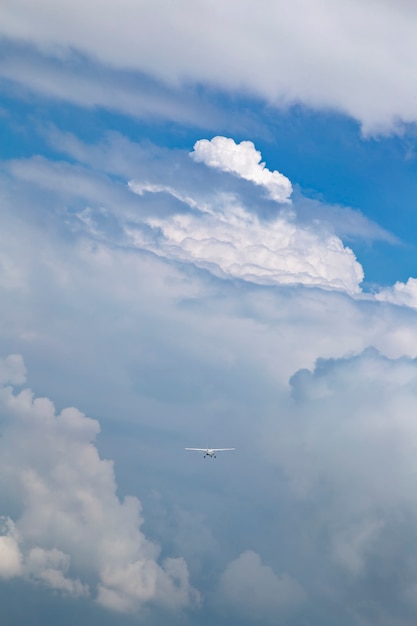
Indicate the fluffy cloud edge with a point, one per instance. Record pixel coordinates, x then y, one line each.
242 160
222 236
249 587
73 534
402 294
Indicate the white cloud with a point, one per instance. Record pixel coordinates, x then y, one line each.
110 243
212 229
221 235
72 528
10 555
254 590
403 294
243 160
231 242
354 56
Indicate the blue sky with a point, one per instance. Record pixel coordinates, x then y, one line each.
207 237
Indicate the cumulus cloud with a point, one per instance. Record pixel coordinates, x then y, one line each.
221 235
242 160
111 226
10 555
253 589
347 443
343 55
50 567
73 534
403 294
231 242
213 229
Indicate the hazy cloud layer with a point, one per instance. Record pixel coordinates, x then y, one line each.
72 533
355 57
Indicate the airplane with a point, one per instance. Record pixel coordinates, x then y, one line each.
210 452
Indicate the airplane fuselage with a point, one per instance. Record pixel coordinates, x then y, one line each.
211 452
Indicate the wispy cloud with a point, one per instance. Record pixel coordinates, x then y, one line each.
84 82
342 56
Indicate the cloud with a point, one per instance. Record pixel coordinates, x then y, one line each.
221 235
349 224
73 534
378 417
115 154
243 160
94 221
163 352
253 590
346 442
10 555
343 56
403 294
215 229
50 568
231 242
87 83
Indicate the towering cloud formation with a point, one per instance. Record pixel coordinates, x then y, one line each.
242 160
223 236
72 533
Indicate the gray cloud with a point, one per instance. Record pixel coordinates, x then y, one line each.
255 591
347 445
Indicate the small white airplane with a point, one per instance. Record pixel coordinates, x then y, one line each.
211 452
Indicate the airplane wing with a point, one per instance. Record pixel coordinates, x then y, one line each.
222 449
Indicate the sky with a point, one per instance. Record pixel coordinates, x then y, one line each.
208 238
